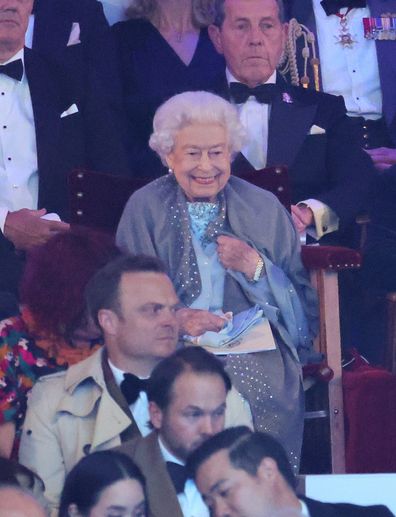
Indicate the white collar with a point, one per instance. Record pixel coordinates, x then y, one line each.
19 55
232 79
119 374
304 509
167 455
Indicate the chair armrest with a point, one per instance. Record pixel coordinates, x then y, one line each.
333 258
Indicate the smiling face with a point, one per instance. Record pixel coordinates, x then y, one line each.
125 498
201 159
195 412
251 38
14 18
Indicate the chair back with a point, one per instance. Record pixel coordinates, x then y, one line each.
97 200
274 179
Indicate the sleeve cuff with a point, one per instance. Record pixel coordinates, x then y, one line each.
325 219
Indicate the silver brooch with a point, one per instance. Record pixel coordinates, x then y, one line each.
286 97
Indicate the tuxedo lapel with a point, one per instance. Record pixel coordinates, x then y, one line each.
289 125
52 26
161 493
46 114
318 509
221 87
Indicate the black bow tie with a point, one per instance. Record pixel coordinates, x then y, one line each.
178 475
13 69
334 6
131 386
264 93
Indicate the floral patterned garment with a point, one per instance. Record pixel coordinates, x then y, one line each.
22 362
25 355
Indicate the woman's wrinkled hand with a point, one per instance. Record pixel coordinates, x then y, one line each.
195 322
237 255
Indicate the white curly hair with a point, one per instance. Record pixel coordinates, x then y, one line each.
188 108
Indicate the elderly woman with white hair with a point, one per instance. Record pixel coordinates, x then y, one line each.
228 245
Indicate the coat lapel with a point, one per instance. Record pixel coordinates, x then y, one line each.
289 125
318 509
46 112
161 493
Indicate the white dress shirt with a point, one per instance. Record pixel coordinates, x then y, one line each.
191 502
115 10
255 118
18 151
29 32
350 72
304 509
139 409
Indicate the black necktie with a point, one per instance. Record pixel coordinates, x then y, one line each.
13 69
178 475
264 93
131 386
334 6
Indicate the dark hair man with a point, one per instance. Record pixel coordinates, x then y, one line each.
308 131
241 473
100 402
188 404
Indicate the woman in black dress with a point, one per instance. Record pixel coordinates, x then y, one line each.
163 49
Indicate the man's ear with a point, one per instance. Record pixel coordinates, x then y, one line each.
285 33
108 321
268 470
156 415
215 36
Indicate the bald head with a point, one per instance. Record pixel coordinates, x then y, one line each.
15 502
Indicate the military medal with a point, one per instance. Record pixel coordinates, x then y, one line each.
344 37
380 28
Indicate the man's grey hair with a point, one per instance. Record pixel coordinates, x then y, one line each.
218 14
188 108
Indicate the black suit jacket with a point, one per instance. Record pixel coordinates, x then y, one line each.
379 257
87 138
329 167
52 27
319 509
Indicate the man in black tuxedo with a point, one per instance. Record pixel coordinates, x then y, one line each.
50 123
244 473
307 131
